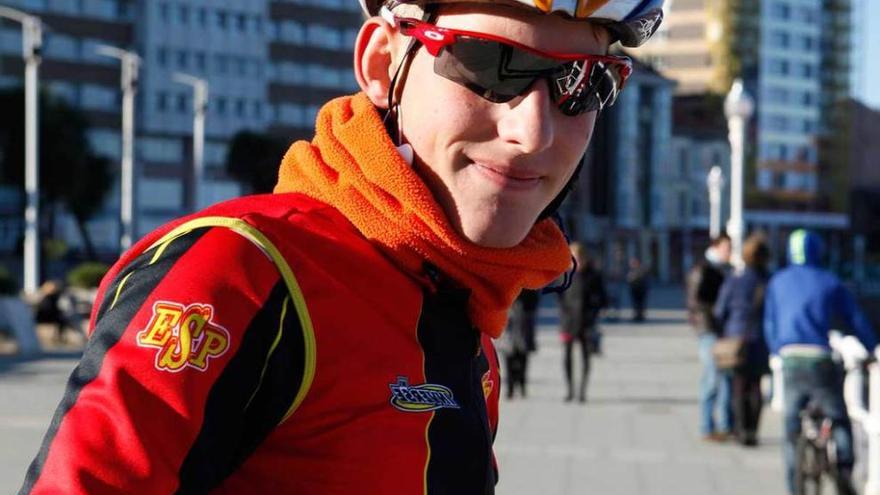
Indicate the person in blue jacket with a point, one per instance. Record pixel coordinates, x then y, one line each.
740 311
803 303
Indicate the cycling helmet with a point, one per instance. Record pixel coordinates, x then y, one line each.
632 22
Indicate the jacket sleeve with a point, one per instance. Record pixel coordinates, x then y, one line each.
854 318
771 327
163 398
722 306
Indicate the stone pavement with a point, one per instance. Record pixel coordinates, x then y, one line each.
637 434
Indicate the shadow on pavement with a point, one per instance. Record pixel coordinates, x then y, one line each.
9 364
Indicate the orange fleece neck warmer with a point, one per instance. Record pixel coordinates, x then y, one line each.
353 166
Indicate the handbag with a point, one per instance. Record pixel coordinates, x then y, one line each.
729 352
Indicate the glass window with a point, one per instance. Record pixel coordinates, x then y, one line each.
780 10
182 59
221 105
203 17
780 39
161 101
221 63
162 56
183 14
241 22
200 61
95 97
163 11
62 46
181 103
222 19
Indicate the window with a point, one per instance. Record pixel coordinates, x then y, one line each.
808 98
780 10
181 103
200 61
95 97
182 59
807 71
683 162
221 105
61 46
183 14
222 19
163 11
780 39
241 22
203 17
162 56
161 101
221 63
778 67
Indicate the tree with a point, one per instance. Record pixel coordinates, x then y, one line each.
253 160
70 172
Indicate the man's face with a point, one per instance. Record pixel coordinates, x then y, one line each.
494 167
723 251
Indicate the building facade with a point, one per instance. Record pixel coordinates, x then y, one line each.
269 66
794 58
622 205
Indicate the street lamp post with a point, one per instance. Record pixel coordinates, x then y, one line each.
32 41
715 181
130 62
738 108
200 104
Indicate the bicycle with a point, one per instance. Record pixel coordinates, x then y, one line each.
816 455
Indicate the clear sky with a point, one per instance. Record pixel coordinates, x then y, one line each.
870 80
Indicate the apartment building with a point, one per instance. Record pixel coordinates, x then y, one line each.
269 66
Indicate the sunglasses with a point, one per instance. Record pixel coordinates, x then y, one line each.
500 69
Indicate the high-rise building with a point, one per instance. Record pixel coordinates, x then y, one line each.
269 64
794 58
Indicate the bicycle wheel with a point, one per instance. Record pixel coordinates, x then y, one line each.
808 469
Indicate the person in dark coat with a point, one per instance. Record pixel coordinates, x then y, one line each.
638 280
579 310
518 340
740 310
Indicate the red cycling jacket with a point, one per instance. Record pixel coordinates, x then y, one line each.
265 346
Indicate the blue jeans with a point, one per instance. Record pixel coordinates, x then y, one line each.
714 391
819 380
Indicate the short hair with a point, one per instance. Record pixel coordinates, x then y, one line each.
408 10
756 251
719 239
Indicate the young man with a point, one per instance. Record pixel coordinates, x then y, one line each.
334 337
803 303
703 285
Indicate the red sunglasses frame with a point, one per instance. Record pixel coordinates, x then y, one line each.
437 38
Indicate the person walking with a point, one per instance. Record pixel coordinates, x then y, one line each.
638 279
579 310
518 340
335 336
703 285
740 313
803 303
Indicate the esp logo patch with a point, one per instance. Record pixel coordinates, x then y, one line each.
184 335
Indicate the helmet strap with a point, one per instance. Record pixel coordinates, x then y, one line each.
394 125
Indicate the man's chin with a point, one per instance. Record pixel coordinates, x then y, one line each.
496 232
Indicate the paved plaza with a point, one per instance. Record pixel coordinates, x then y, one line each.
636 435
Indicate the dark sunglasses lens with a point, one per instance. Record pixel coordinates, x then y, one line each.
477 65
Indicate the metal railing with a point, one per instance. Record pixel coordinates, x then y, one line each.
864 411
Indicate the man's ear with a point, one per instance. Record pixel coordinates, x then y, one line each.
374 56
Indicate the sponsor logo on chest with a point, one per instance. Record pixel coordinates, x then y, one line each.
421 398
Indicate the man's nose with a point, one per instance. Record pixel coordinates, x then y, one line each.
527 123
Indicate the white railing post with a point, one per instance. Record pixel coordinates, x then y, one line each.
872 429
